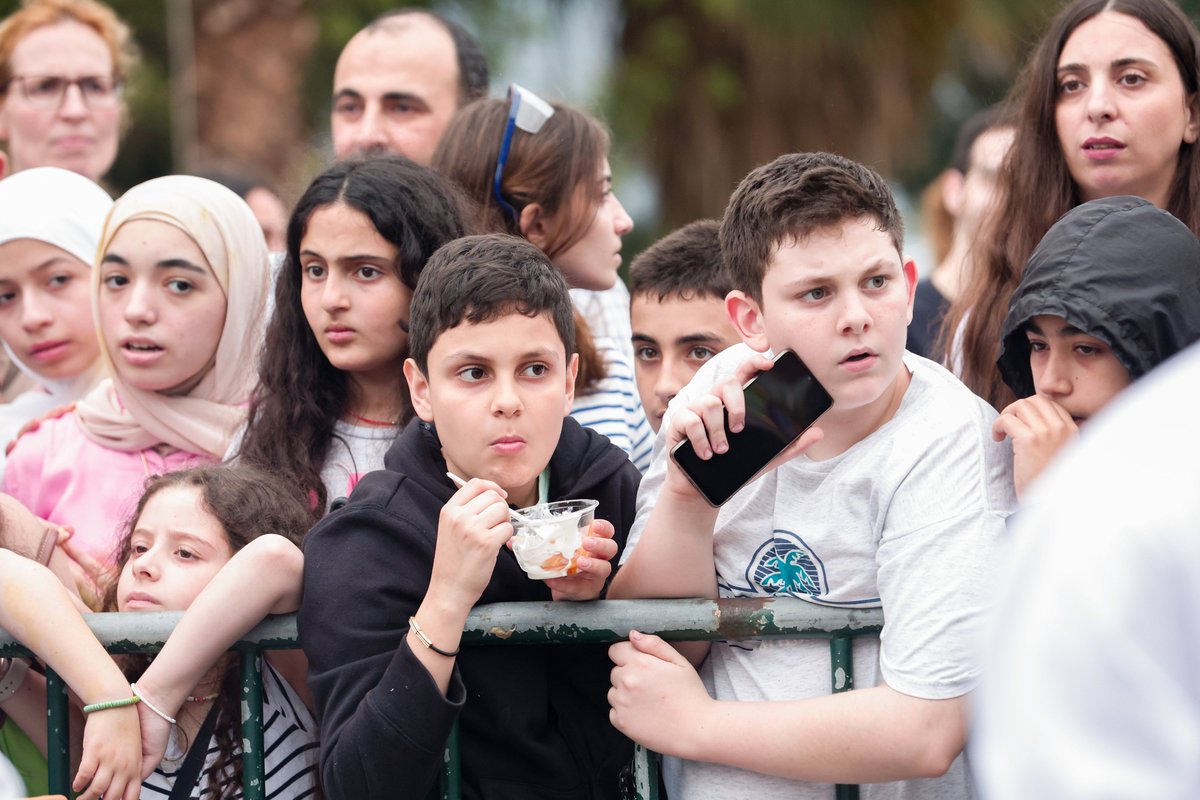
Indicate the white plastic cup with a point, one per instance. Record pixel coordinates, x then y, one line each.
549 545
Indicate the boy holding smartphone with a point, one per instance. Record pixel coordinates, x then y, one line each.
897 498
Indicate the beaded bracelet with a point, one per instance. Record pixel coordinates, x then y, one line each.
107 704
133 688
425 640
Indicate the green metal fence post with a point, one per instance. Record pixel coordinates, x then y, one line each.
58 723
645 773
253 767
841 668
452 768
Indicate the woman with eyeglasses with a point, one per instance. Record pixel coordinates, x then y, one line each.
540 170
63 64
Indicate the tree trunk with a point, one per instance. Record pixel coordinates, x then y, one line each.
248 76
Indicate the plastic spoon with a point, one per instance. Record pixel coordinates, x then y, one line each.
516 515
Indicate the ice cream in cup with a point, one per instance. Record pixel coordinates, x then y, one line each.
548 545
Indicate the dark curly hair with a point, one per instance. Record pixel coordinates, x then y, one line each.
248 503
301 395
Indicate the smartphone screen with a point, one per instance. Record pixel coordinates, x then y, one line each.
781 404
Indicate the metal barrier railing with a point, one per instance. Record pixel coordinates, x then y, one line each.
499 624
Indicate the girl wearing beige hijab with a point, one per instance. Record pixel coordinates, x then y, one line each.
178 294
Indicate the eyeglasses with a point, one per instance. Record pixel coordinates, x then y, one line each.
528 112
46 92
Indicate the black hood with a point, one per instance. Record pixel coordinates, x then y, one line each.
1118 269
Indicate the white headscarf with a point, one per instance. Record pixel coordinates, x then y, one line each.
63 209
204 420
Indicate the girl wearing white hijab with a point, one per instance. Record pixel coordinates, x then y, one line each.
178 292
50 225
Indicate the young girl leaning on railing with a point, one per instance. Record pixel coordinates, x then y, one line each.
220 543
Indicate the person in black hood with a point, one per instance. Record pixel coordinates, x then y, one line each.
390 578
1112 290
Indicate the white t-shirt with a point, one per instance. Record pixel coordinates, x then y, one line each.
907 519
353 451
1092 687
11 787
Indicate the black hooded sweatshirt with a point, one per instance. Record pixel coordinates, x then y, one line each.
1119 269
533 718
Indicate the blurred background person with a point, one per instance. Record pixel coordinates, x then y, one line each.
50 225
955 207
63 67
399 81
263 200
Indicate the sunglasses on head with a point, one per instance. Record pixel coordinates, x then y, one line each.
528 112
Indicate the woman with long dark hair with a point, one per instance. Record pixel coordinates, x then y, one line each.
1107 105
333 395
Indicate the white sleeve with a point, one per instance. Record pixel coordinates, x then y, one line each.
936 561
11 786
1092 687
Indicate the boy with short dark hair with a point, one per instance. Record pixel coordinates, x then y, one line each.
677 310
391 577
896 498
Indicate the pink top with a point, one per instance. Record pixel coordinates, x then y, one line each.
61 475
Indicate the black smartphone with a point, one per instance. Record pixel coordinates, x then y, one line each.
781 403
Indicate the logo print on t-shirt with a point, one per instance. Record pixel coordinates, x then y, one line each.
786 565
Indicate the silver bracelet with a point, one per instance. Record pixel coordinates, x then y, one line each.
425 640
12 677
133 688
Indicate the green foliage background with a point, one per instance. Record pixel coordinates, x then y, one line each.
678 59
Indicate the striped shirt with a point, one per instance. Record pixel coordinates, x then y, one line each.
289 745
607 315
614 409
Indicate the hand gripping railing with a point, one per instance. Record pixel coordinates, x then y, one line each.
499 624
